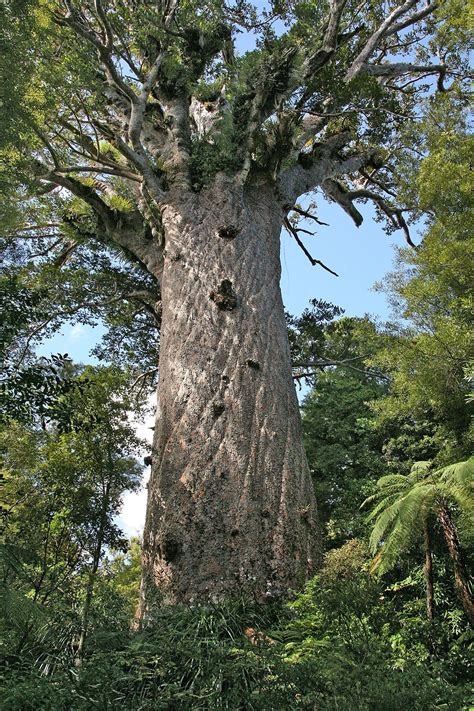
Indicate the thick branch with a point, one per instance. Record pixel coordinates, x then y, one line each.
398 69
102 210
388 27
319 58
322 163
125 229
135 152
429 8
336 192
272 89
345 198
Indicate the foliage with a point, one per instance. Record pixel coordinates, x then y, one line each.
343 643
62 492
30 387
428 349
121 576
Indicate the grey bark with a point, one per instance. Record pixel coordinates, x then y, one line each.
231 506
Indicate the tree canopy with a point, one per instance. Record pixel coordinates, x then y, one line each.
112 106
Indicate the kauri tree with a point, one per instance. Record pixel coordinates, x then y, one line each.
141 133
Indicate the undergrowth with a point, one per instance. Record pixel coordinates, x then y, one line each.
337 646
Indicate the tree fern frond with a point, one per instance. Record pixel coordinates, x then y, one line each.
381 506
421 468
459 476
389 479
17 609
382 525
398 525
369 500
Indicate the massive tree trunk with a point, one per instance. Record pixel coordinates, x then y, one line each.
231 507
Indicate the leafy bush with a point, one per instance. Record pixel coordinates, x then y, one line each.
346 643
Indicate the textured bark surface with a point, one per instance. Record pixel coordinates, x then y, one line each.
231 506
461 573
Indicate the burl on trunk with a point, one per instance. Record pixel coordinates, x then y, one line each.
231 507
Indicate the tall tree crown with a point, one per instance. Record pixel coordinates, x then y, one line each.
122 103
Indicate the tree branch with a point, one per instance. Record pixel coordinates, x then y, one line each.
327 363
308 215
272 88
293 231
429 8
388 26
345 198
336 192
321 163
398 69
77 22
319 58
82 191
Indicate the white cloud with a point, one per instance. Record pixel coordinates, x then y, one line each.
132 513
76 331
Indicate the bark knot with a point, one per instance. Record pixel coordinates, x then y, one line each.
217 409
224 296
170 549
228 231
253 364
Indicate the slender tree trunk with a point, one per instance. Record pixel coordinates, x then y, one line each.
86 611
230 503
428 571
91 579
461 574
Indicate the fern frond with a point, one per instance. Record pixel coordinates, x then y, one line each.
391 479
381 506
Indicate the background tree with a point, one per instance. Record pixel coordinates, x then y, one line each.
30 387
343 446
61 497
138 128
428 347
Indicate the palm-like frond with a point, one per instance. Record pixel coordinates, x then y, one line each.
400 526
456 483
402 504
459 479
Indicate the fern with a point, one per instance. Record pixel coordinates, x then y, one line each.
402 505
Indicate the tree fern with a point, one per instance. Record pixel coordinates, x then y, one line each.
402 505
